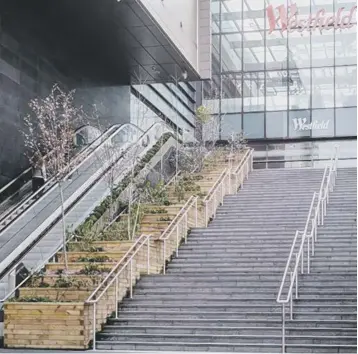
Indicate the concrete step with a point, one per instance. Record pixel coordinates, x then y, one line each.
226 338
237 290
249 300
249 317
236 330
236 276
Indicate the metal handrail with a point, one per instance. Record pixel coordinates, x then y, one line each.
224 183
50 183
126 263
11 274
319 212
46 157
113 276
174 225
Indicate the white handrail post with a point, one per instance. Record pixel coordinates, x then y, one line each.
222 193
12 280
308 255
206 214
164 245
148 255
241 178
131 279
312 235
186 227
94 326
229 186
296 288
116 296
283 328
302 257
290 295
236 183
196 212
177 247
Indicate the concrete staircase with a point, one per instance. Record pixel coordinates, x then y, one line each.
220 293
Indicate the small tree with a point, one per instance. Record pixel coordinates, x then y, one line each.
49 132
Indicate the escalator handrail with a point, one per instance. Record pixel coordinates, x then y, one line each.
38 268
79 157
2 189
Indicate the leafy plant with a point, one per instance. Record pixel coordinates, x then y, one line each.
93 269
93 259
31 299
165 218
156 211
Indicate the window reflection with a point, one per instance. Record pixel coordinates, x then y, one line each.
274 77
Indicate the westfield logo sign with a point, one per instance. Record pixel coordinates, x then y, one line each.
289 20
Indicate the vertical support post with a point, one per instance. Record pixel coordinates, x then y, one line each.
283 328
308 255
291 303
148 255
94 326
116 296
213 205
131 278
222 193
236 183
164 245
322 214
177 247
12 281
296 282
302 258
186 227
196 212
312 236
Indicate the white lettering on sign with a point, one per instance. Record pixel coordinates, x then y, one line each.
289 21
300 124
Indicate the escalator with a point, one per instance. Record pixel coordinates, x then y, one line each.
33 230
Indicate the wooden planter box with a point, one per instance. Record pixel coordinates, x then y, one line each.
74 256
77 266
46 325
57 294
105 245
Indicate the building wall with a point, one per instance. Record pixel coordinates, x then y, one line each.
178 18
25 74
271 80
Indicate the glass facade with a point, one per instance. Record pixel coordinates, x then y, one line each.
285 70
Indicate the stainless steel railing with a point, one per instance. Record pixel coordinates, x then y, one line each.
303 245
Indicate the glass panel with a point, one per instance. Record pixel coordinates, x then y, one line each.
300 88
299 124
346 121
346 86
253 91
346 40
323 120
322 40
231 123
276 90
299 49
322 87
232 93
276 50
276 124
231 49
254 125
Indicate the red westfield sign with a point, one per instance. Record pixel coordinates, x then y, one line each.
288 20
